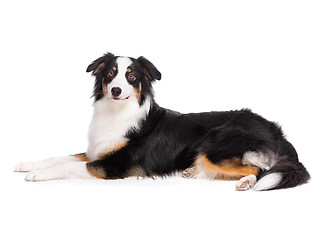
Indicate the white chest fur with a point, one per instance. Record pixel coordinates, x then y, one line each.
110 123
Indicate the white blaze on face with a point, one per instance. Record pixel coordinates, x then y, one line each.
120 80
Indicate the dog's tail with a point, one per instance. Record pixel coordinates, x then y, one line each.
287 172
284 174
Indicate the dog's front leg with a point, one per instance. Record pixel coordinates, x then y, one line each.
61 171
55 168
106 169
50 162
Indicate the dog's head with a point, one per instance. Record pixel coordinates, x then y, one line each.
123 78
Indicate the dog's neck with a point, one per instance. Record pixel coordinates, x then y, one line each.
111 122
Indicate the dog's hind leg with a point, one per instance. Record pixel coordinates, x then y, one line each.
50 162
227 169
220 155
231 169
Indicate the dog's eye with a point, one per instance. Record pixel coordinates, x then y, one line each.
111 73
131 77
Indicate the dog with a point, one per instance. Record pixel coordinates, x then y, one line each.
131 135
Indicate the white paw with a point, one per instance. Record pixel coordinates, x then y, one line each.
47 163
25 167
189 172
40 175
246 183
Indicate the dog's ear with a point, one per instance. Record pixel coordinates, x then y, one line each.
97 65
149 70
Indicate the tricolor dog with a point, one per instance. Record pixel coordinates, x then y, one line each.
130 135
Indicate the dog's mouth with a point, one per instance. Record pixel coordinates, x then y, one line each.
120 99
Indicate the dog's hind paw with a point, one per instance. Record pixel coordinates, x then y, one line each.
189 172
246 183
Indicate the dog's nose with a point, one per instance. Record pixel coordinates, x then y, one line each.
116 91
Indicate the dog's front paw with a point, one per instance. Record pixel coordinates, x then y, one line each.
25 167
40 175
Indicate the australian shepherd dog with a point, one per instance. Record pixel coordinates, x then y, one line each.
130 135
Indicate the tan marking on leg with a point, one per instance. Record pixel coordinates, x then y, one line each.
229 169
81 156
95 171
135 172
99 172
112 150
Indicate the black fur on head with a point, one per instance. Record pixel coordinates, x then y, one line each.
97 68
146 74
149 69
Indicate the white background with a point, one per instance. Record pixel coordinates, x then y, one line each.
214 55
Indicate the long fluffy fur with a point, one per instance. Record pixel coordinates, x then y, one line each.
166 141
131 135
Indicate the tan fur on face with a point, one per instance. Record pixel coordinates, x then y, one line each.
229 169
104 86
138 92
